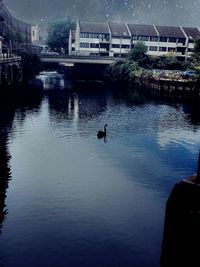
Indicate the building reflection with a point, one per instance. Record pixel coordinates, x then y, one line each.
5 175
16 105
6 119
181 236
78 105
193 113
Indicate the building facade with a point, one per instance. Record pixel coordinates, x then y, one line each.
36 35
16 33
117 39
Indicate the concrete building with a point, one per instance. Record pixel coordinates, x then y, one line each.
16 33
72 44
90 39
35 35
147 34
120 43
1 40
117 39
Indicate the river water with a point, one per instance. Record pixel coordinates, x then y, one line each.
69 199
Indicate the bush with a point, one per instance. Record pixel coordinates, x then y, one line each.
31 65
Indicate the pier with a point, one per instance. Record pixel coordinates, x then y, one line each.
10 69
170 88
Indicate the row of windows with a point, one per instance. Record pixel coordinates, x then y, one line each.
151 48
94 35
88 45
119 37
162 49
100 36
122 46
84 45
161 39
135 38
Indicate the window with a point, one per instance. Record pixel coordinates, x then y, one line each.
153 48
84 35
172 39
163 39
171 49
94 45
135 37
125 46
154 39
144 38
115 46
190 49
181 41
162 49
84 45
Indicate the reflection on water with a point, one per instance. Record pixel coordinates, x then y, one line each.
182 231
74 200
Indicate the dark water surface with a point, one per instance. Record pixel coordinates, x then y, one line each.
69 199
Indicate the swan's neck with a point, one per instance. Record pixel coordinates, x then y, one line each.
105 129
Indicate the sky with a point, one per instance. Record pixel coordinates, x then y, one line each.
159 12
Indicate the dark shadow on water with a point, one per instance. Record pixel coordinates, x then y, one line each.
181 236
5 175
12 102
193 113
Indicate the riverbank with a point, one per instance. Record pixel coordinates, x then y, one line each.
169 88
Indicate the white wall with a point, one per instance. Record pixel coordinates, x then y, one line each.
35 34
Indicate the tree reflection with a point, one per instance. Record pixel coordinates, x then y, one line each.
5 175
12 104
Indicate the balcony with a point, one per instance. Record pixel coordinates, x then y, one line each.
103 40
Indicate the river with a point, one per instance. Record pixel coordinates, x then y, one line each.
69 199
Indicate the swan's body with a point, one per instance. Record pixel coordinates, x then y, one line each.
102 134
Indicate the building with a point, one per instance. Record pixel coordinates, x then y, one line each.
117 39
72 38
91 39
36 35
120 43
16 33
1 40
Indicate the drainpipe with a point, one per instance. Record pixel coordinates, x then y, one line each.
198 170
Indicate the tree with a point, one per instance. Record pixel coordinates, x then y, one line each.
58 34
139 53
31 65
196 54
123 71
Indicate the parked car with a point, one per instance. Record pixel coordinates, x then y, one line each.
189 74
49 53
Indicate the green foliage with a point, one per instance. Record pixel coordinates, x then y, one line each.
123 71
58 34
139 53
10 35
31 65
196 54
168 62
19 37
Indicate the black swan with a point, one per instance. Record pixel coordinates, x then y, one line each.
102 134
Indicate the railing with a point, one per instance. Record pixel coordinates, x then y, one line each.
7 58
